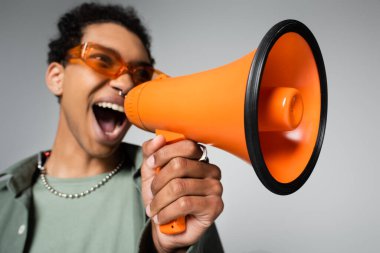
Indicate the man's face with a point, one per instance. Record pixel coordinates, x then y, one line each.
90 103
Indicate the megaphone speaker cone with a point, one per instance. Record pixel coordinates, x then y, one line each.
284 157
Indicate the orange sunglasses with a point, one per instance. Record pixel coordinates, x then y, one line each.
109 62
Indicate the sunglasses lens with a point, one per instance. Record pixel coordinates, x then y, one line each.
109 63
142 74
103 62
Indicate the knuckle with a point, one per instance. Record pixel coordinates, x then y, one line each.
221 208
178 163
178 187
217 173
185 204
218 205
192 147
217 188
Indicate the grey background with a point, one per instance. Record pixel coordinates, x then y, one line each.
338 208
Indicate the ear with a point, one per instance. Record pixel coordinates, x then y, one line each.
54 78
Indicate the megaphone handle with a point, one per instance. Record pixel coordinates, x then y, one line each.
178 225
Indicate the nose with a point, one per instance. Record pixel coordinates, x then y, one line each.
122 84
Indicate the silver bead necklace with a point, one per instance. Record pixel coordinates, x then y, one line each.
74 195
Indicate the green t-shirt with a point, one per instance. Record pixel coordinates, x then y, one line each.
102 221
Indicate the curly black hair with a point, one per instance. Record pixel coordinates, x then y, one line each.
72 24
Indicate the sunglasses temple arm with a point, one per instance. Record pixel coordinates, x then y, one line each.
160 74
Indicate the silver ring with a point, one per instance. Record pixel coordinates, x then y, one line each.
204 157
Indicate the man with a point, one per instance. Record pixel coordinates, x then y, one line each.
88 193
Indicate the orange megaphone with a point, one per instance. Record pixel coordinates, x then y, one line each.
268 108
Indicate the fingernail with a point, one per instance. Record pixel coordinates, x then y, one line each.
150 161
155 139
147 210
155 219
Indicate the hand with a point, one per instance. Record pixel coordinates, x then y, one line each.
184 187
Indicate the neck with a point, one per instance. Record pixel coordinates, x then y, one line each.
71 164
69 159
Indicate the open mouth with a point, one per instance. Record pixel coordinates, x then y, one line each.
109 116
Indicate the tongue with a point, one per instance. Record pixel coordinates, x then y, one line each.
106 119
107 126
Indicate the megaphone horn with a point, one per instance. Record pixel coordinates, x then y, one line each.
269 107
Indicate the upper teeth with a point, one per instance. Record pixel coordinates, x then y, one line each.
112 106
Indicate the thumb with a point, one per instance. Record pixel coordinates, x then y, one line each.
148 167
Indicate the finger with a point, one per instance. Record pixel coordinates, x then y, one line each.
149 147
185 148
204 209
184 168
180 187
147 169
